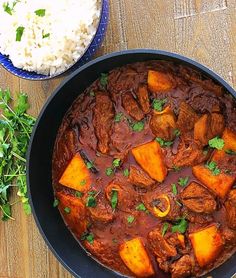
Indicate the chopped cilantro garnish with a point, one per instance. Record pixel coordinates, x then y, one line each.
92 93
183 181
46 35
116 162
212 166
78 194
126 172
163 143
114 198
177 132
158 104
40 12
9 9
83 182
55 203
216 143
164 228
231 152
109 171
176 168
19 33
180 226
130 219
88 236
137 127
67 210
118 117
174 189
89 165
104 80
91 201
141 207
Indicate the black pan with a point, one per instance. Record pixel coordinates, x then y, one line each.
39 160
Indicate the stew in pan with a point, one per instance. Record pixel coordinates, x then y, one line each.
144 169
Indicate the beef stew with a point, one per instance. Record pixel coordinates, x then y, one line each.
144 167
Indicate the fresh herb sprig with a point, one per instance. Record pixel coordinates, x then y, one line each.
15 129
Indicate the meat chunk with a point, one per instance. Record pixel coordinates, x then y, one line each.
229 236
161 205
138 177
160 247
187 117
131 106
102 120
125 193
182 268
163 124
207 127
189 153
143 98
230 206
198 199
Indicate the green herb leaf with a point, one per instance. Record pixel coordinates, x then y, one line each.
89 165
83 182
158 104
118 117
91 202
109 171
216 143
130 219
21 104
137 127
88 237
176 168
19 33
141 207
6 209
46 35
230 152
116 162
40 12
212 166
78 194
174 189
177 132
163 143
67 210
92 93
7 8
183 181
114 198
126 172
164 228
55 203
180 226
104 80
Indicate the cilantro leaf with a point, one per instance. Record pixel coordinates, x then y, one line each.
164 228
118 117
230 152
141 207
158 104
130 219
47 35
109 171
67 210
91 201
21 104
163 143
212 166
40 12
137 127
216 143
88 237
180 226
183 181
114 198
78 194
177 132
126 172
19 33
104 80
55 203
174 189
116 162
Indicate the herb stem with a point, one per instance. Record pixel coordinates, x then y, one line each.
7 215
18 156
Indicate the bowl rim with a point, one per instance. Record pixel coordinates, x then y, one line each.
164 54
42 77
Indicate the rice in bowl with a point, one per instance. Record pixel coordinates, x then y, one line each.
44 36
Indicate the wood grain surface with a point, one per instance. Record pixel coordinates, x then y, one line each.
204 30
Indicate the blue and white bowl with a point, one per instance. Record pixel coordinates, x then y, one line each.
88 52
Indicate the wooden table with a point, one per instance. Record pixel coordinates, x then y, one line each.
204 30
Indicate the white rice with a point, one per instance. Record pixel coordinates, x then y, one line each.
71 24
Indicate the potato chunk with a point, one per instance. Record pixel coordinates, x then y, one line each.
76 175
73 209
135 257
207 244
219 184
159 81
149 157
230 140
